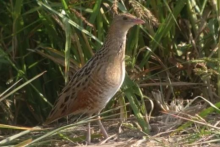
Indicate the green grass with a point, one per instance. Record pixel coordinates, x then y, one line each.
178 43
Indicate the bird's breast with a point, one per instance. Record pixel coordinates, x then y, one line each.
112 75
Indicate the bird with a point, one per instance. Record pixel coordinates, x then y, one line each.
90 89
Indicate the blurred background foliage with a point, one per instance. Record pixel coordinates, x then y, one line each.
173 57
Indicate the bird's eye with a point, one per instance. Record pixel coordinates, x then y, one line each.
125 18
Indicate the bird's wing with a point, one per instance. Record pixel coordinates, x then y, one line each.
75 95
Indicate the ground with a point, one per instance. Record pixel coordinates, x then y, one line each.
128 134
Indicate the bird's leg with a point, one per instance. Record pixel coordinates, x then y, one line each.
104 132
88 135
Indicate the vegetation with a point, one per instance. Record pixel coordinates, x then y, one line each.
172 65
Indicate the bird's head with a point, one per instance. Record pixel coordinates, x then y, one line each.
124 22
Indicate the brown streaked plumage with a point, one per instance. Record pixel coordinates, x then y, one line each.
91 88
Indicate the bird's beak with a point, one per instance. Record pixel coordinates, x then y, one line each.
138 21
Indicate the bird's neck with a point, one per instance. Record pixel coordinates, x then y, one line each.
115 41
116 32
